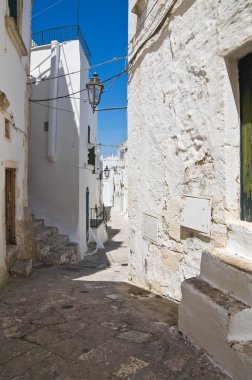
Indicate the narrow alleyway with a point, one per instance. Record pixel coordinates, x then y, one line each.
84 322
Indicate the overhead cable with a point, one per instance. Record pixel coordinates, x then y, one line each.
153 33
79 91
142 23
46 9
39 79
48 106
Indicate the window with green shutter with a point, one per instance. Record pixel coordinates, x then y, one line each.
245 82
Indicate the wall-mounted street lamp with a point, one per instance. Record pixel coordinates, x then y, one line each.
106 172
94 89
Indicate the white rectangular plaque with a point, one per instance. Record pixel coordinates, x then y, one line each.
150 227
196 213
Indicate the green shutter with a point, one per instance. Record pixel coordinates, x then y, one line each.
245 79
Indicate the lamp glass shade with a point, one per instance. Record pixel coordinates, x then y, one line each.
106 172
94 89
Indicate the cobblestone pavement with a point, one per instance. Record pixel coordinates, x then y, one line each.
83 322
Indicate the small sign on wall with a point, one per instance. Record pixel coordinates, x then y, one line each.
196 213
150 227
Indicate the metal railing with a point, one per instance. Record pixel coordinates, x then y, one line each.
97 215
62 34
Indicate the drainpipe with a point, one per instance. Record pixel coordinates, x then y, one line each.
53 93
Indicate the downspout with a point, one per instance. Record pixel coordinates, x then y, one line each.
53 93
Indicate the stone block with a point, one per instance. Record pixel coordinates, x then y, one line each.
206 316
230 273
21 268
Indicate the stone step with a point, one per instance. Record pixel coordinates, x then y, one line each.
244 351
66 254
21 268
240 238
229 273
211 319
43 232
11 255
37 222
50 243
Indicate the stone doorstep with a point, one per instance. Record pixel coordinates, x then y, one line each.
208 318
66 254
52 242
21 268
43 232
244 349
11 255
228 273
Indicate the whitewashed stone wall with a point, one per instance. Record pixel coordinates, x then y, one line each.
57 185
184 133
14 69
108 183
115 188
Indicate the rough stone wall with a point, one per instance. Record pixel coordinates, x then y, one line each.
13 152
183 122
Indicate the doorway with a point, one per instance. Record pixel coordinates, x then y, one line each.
10 219
87 214
245 83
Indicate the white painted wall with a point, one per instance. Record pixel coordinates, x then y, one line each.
183 138
57 185
108 184
13 152
115 188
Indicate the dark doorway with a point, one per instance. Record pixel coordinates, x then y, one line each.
245 82
10 219
87 214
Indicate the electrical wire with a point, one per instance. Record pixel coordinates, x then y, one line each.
113 146
46 9
141 25
47 106
78 71
112 108
77 92
153 33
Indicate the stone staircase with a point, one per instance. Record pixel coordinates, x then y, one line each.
216 312
53 248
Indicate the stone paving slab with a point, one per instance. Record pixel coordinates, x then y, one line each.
67 328
85 322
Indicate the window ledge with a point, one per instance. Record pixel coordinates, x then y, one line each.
15 36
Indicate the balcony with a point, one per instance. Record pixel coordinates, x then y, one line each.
62 34
97 216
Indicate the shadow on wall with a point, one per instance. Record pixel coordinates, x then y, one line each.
54 186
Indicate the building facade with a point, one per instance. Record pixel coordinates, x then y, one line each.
115 187
189 161
15 231
63 159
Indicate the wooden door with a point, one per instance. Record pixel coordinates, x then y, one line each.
10 221
245 81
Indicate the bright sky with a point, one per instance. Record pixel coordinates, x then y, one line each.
104 26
